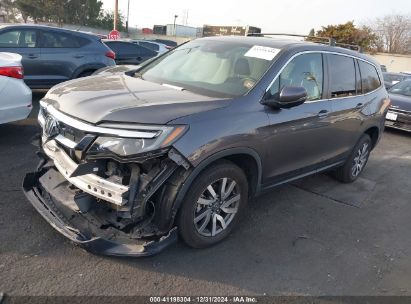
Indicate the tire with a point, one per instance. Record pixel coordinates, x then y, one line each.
201 205
356 162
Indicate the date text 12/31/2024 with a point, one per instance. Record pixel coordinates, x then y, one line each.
206 299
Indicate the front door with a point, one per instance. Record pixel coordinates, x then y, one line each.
23 41
300 136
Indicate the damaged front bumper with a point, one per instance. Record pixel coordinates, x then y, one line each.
117 204
95 244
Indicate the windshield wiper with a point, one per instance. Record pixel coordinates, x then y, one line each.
139 75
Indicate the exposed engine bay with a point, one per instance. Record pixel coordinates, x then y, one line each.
129 202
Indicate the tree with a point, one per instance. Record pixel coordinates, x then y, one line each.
348 33
79 12
106 21
30 8
8 10
312 32
393 33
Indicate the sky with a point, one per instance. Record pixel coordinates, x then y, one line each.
290 16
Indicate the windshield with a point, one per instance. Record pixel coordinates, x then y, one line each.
402 88
393 77
211 68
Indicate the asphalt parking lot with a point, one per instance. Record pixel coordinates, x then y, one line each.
314 237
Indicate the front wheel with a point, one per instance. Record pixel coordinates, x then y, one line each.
213 205
356 162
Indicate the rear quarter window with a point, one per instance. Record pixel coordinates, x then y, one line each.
151 46
369 77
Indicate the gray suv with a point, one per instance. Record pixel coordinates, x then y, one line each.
178 146
53 55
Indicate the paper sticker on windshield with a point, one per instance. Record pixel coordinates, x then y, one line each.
262 52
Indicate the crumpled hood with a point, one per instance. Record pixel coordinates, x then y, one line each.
400 102
121 98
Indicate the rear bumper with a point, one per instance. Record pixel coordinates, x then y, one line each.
97 245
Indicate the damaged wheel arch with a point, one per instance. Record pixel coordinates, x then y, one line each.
245 158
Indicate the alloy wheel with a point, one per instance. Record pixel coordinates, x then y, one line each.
216 207
360 160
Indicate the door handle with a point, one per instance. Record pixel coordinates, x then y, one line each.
323 113
78 56
359 105
32 56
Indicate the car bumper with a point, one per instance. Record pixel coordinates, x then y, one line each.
16 100
95 244
402 120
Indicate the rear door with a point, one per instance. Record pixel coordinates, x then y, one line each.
347 102
61 56
23 41
300 136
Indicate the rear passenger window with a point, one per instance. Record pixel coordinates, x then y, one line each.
369 77
306 71
342 73
61 40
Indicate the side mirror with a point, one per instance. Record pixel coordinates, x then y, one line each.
289 97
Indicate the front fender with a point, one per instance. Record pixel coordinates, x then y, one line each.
173 193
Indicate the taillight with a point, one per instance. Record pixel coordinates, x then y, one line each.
169 47
111 54
13 72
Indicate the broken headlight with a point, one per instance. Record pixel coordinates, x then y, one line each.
133 146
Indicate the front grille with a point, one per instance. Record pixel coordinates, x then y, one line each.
71 133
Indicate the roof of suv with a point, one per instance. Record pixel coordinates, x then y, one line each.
289 44
46 27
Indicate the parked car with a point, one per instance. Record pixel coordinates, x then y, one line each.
53 55
157 47
169 43
15 96
393 78
129 53
399 114
179 146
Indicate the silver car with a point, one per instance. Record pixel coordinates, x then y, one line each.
15 96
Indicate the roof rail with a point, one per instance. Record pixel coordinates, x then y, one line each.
321 40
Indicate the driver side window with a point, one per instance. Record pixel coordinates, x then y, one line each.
306 71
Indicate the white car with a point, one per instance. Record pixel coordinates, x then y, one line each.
15 95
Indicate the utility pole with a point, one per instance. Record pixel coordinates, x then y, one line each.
128 15
115 14
175 31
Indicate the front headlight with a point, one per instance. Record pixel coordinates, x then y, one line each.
133 146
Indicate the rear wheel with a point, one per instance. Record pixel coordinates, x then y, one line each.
356 162
213 205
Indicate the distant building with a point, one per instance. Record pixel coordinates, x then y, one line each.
160 30
147 31
177 30
215 30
